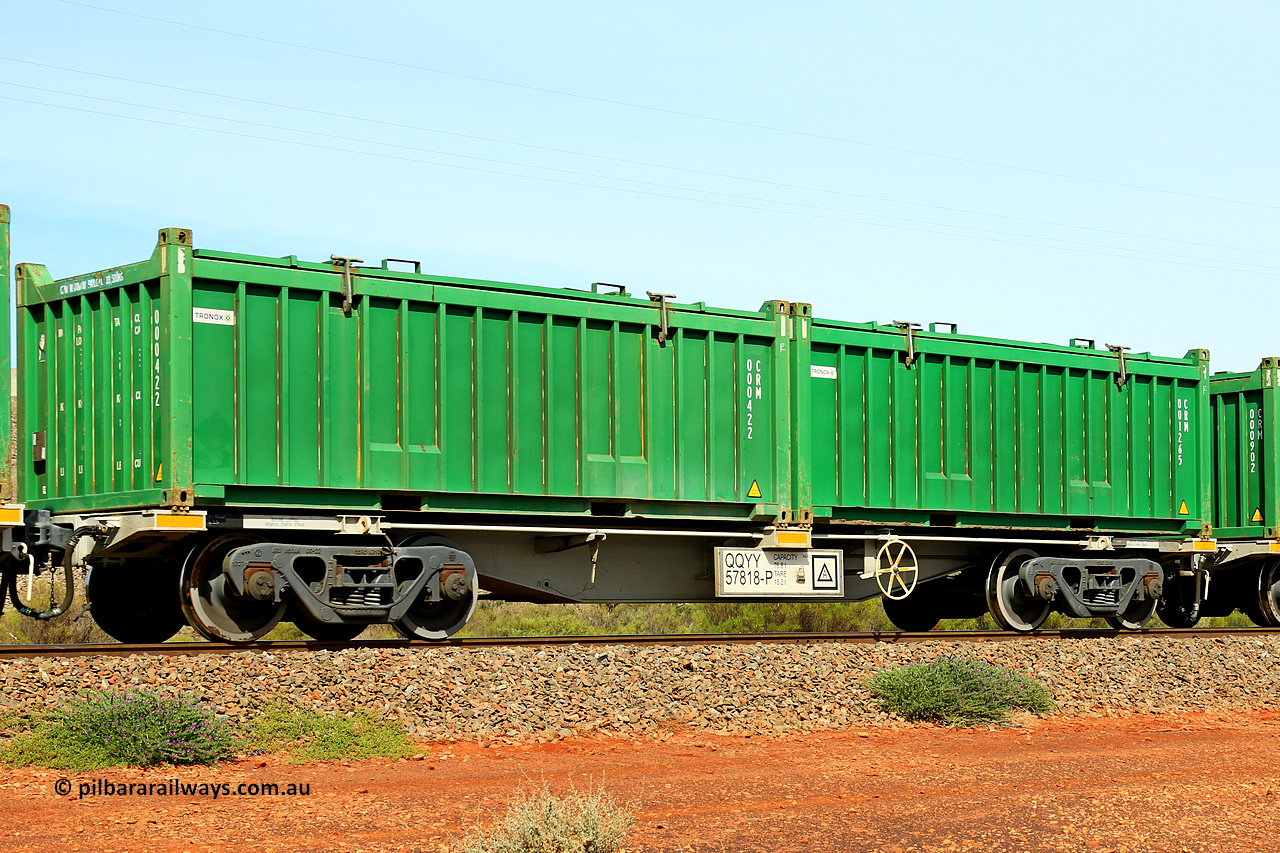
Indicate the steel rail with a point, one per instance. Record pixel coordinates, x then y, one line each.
177 649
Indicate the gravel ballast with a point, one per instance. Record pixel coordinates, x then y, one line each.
528 692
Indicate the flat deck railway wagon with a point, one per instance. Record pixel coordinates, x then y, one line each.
230 441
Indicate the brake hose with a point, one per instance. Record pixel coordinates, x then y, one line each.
10 580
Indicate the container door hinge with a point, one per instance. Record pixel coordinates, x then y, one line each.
660 299
1123 376
910 329
345 265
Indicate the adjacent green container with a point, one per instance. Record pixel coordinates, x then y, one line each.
1246 452
206 378
950 429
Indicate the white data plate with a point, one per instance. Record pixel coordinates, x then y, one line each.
760 573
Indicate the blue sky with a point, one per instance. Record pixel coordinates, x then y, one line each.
1027 170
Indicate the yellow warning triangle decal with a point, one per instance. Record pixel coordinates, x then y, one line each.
159 471
754 491
1257 515
1182 510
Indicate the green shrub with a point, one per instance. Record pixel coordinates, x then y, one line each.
133 728
14 721
958 692
306 735
542 822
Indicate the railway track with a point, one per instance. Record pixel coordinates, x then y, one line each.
206 648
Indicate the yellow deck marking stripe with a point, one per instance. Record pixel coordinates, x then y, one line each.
181 521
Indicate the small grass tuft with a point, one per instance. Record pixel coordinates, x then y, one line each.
122 729
958 692
542 822
305 735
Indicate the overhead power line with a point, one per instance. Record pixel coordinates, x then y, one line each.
622 160
1133 254
664 110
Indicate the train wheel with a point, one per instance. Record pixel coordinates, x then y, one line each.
1178 607
1267 612
1009 604
136 602
911 614
1136 615
329 632
210 602
438 620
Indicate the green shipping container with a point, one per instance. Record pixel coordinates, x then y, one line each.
946 429
200 378
1246 452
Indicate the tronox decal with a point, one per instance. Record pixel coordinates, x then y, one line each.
215 316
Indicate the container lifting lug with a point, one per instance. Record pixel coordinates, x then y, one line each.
345 265
1123 376
910 329
661 300
417 265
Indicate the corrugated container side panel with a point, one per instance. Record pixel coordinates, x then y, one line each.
595 357
457 397
1006 486
825 428
60 391
659 407
1026 441
692 416
94 394
562 399
904 435
419 393
493 400
981 436
722 403
1186 480
1241 486
383 377
1138 459
1232 473
1059 397
302 442
118 465
259 412
1162 464
214 445
930 428
529 403
959 432
954 433
340 400
141 301
411 394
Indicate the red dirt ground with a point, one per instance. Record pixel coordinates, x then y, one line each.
1146 783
